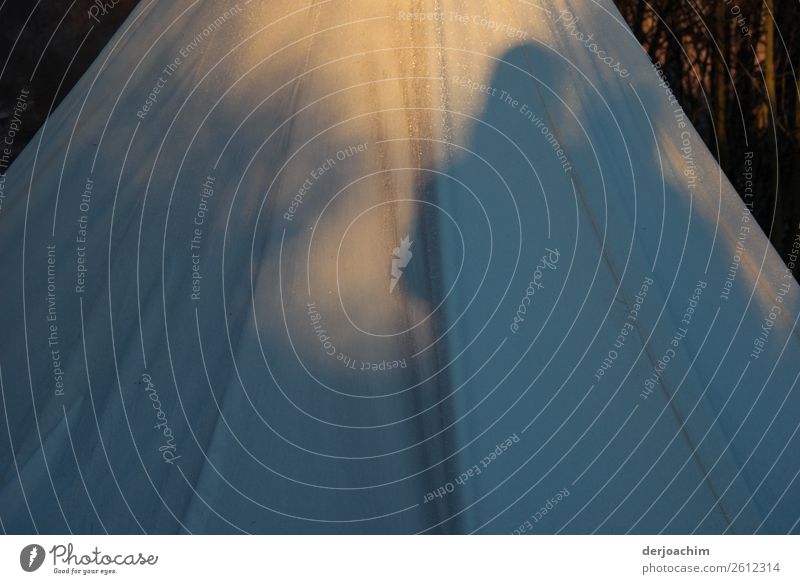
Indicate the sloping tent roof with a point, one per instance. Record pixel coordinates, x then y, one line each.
587 332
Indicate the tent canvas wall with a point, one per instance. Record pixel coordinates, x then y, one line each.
354 267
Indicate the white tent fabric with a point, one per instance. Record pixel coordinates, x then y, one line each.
343 266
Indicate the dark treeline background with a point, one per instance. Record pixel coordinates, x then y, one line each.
45 51
730 64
